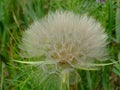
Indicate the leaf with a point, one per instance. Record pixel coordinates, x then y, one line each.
118 21
119 56
89 80
116 71
105 82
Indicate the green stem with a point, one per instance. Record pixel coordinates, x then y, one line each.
73 76
64 80
69 80
2 75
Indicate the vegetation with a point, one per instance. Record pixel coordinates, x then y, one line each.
17 15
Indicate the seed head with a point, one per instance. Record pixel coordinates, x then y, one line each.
66 38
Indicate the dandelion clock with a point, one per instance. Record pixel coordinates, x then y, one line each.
62 42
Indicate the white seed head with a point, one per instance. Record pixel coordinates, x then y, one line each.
66 38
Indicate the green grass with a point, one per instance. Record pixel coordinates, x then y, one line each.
17 15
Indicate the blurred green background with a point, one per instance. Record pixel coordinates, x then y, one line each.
17 15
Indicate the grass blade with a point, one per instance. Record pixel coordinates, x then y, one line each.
105 82
89 80
118 21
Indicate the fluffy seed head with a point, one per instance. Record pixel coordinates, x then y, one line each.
66 38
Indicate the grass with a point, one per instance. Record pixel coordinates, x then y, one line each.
17 15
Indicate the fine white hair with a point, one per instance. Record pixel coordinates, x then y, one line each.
65 37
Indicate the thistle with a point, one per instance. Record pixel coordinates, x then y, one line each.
67 41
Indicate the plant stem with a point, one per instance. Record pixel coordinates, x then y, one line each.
64 80
69 80
73 76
